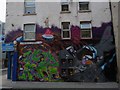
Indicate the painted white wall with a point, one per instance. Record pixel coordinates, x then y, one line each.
100 12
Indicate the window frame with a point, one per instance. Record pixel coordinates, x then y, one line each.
29 31
25 10
65 3
86 29
84 10
65 30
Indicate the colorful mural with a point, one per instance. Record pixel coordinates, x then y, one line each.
13 35
83 60
37 63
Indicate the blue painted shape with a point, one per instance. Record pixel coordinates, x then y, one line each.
9 66
110 61
104 65
14 73
19 39
7 47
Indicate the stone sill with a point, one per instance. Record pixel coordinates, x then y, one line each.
63 12
86 38
84 11
29 14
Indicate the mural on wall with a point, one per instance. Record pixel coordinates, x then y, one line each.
13 35
37 63
92 60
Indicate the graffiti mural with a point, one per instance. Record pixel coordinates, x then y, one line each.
76 59
13 35
80 65
37 63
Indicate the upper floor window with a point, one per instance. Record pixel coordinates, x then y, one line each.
84 6
29 31
29 6
65 6
66 34
86 30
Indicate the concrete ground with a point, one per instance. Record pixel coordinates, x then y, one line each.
20 85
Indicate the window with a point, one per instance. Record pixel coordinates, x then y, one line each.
29 6
83 6
65 5
29 31
86 30
66 34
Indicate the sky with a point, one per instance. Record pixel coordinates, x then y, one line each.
2 10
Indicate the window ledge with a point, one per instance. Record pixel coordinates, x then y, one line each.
66 38
29 14
63 12
84 11
86 38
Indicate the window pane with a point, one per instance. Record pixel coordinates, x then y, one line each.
85 25
64 1
29 6
29 27
86 34
83 5
65 8
65 25
30 10
29 35
66 34
29 3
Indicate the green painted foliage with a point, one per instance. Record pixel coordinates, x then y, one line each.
43 62
27 53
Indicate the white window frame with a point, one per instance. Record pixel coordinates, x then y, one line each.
25 1
29 31
65 30
84 2
65 2
86 29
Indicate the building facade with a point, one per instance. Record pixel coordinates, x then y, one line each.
70 12
76 39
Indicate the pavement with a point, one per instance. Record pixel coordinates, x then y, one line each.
20 85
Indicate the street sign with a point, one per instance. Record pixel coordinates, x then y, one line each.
7 47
